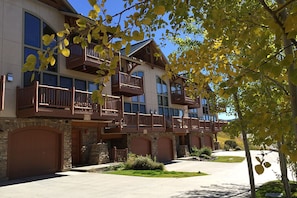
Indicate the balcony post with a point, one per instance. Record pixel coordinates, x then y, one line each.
164 122
182 125
121 108
137 120
3 79
36 87
152 121
72 99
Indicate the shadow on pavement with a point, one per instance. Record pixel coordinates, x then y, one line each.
29 179
218 191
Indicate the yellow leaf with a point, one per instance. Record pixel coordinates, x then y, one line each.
66 42
128 48
108 18
93 14
65 52
47 39
76 39
160 10
92 2
146 21
60 34
267 164
259 169
96 8
81 23
52 61
89 38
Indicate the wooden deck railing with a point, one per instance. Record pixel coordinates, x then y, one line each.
139 122
195 124
126 84
2 92
68 101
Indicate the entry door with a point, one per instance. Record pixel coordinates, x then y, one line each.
76 146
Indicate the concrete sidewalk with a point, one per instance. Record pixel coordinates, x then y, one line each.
224 180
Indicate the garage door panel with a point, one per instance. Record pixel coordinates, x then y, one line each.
141 146
33 152
165 150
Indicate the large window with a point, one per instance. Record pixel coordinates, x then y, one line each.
137 102
34 29
162 94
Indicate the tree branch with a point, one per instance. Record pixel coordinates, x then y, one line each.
277 19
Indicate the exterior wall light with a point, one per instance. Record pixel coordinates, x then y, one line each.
9 77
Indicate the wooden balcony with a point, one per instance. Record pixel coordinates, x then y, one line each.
182 125
182 99
142 123
2 92
126 84
55 102
84 60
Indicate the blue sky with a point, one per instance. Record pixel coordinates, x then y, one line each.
83 7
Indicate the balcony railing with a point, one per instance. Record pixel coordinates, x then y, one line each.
182 99
2 92
48 101
126 84
187 124
84 59
138 122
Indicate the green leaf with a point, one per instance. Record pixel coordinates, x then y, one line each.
65 52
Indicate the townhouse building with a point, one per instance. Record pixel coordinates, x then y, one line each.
49 122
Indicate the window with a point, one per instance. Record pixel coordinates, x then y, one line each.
80 85
138 102
162 94
34 29
193 113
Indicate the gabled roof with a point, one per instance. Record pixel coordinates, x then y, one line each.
135 47
145 51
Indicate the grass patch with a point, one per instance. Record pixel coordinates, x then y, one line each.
228 159
222 137
156 173
275 187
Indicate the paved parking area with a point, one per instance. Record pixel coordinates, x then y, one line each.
224 180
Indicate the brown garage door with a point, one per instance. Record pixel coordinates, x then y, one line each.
208 141
165 150
196 141
141 146
33 151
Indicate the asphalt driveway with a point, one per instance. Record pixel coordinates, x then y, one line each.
224 180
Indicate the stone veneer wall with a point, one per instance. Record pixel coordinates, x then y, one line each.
8 125
153 137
